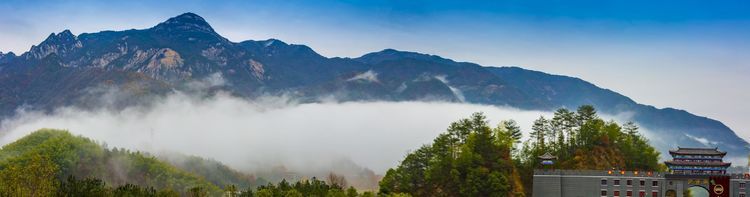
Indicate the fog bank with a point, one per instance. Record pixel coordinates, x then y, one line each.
255 135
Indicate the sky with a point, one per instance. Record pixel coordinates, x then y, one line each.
691 55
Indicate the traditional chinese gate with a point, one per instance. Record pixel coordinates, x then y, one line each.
716 185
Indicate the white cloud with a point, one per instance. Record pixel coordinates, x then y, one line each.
702 140
370 76
212 80
255 134
457 92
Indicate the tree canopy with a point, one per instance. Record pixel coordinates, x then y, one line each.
474 159
582 140
39 162
470 159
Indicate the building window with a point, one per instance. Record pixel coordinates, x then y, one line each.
654 194
742 195
629 182
629 193
604 192
643 183
617 193
604 181
617 182
642 194
655 183
742 185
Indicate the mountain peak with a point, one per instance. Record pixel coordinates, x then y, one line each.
393 54
64 36
10 53
271 42
66 32
188 21
190 15
60 43
6 57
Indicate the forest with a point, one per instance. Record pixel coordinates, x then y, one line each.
471 158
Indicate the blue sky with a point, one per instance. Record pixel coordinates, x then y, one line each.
692 55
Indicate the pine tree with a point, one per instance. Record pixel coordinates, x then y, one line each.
539 133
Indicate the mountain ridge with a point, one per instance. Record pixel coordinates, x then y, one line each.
163 58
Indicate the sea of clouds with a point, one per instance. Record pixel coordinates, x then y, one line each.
253 134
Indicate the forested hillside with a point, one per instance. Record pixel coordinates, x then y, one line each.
52 162
37 164
473 158
582 140
213 171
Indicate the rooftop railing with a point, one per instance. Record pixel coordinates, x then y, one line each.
616 173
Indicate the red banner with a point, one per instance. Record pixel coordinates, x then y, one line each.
718 186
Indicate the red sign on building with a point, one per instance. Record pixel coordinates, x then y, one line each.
718 186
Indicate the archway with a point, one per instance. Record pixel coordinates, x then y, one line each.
696 191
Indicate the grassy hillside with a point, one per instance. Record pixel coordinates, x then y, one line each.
37 163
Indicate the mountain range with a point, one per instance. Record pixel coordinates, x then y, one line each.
66 69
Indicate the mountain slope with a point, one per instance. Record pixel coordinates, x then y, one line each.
679 127
81 157
66 69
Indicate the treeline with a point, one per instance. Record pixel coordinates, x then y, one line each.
213 171
474 159
582 140
51 162
73 187
312 187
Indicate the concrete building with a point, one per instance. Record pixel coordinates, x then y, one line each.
690 167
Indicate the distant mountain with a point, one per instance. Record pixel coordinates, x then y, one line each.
66 69
671 127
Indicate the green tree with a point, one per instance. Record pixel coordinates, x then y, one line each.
351 192
292 193
335 192
368 194
582 140
33 175
469 159
265 193
585 113
197 192
231 191
513 129
84 187
247 193
131 190
167 192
